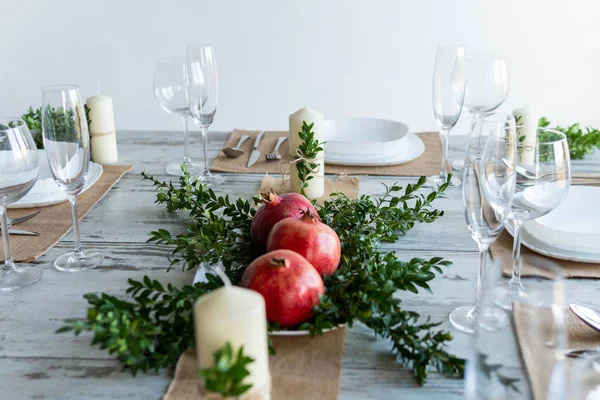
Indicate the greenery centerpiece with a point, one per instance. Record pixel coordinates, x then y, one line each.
150 330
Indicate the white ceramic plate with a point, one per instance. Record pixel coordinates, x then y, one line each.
412 148
550 251
200 276
364 137
45 192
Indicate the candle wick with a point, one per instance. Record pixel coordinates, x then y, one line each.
98 92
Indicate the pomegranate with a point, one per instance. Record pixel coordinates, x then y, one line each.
310 238
288 283
275 208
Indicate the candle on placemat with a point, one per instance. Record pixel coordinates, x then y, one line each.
236 315
528 118
102 129
316 186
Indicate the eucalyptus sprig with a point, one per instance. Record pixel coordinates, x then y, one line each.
226 376
362 289
308 151
33 119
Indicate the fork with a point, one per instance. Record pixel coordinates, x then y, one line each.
15 221
274 156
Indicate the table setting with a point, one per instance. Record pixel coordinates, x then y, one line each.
287 260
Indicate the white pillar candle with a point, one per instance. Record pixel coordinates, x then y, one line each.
236 315
316 186
102 129
527 135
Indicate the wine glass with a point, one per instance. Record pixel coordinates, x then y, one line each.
18 173
488 186
169 90
448 96
543 181
487 88
520 353
202 89
67 144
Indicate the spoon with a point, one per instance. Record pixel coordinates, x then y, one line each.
235 152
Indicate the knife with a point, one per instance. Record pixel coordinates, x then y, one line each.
590 317
255 153
22 232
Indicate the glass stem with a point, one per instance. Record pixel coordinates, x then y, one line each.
186 155
77 250
515 279
483 256
8 259
204 131
478 118
444 132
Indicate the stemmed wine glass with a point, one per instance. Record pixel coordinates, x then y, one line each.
67 144
202 89
543 181
487 88
169 90
488 186
18 173
448 96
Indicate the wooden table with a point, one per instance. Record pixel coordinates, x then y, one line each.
36 363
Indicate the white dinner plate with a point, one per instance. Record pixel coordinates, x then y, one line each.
200 276
545 249
45 192
412 147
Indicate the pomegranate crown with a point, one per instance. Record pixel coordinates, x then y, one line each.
277 262
270 198
309 216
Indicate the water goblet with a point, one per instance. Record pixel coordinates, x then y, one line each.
169 90
543 181
202 90
18 173
488 185
487 88
67 144
448 97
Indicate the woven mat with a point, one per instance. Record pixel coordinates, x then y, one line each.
54 222
539 358
427 164
304 368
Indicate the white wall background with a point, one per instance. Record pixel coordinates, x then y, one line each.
344 58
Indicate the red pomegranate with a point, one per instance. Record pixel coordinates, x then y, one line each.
275 208
288 283
310 238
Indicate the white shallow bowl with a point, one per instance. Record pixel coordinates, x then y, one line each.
364 137
45 192
200 276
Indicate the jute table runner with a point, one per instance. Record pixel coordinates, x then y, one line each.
502 248
427 164
54 222
304 368
538 357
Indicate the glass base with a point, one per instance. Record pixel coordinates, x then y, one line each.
464 319
435 181
70 263
210 179
193 168
512 293
12 280
458 165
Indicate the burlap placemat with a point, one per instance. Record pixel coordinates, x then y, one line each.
54 222
346 185
538 357
304 368
427 164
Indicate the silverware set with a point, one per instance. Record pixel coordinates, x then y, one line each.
235 152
